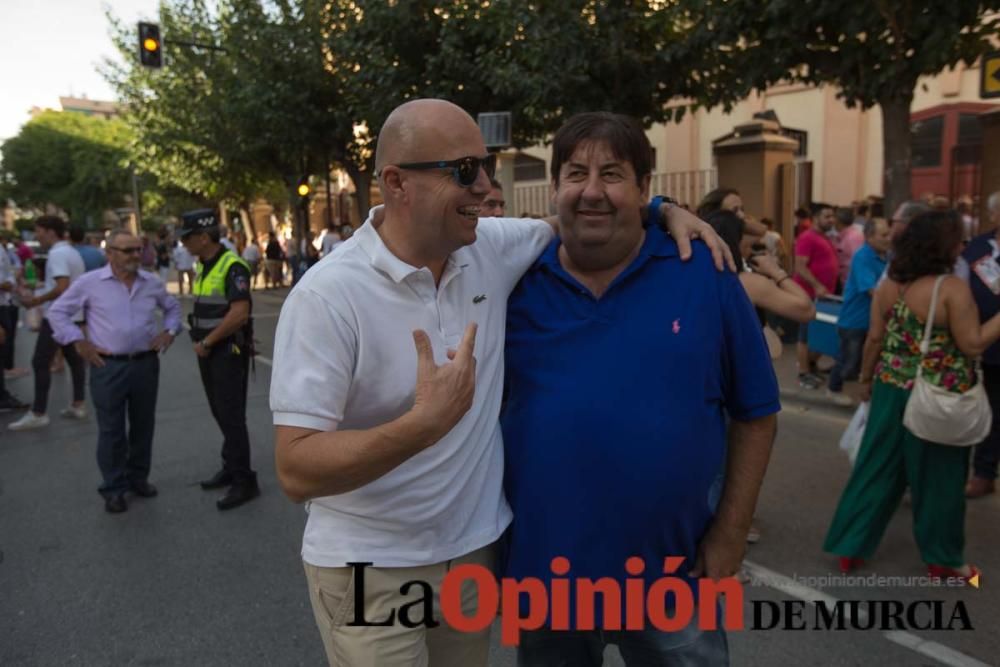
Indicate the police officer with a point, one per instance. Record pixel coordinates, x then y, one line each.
222 331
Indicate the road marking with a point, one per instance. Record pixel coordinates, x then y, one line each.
790 587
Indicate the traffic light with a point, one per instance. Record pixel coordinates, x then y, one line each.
150 45
303 188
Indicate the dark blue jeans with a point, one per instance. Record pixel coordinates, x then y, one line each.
639 648
125 390
852 343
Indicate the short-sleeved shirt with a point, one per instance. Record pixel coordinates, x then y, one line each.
7 275
615 420
237 278
251 253
183 258
821 260
63 261
24 252
849 240
344 358
330 241
866 271
93 258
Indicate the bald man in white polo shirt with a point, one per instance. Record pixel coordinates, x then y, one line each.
388 372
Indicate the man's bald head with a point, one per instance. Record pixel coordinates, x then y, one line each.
423 130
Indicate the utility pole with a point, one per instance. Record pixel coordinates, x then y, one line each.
136 206
329 200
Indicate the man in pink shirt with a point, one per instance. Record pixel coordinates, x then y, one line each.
816 271
849 237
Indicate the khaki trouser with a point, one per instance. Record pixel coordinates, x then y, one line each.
331 591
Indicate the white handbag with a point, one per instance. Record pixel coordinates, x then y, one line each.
941 416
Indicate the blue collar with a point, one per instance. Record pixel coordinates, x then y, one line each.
656 244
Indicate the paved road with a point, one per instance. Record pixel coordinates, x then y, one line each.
174 582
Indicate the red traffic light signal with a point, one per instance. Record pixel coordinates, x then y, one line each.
150 45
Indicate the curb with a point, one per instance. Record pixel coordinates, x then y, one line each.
814 400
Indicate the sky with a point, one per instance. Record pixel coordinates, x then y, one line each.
52 48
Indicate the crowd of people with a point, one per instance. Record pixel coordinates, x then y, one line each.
273 260
888 277
431 407
102 309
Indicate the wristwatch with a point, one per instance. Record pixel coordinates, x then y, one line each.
653 211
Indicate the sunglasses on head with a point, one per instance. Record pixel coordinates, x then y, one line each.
465 170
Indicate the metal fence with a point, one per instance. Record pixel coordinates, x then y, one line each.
687 187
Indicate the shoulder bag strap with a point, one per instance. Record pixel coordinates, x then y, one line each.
925 344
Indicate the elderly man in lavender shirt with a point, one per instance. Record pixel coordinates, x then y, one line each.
121 346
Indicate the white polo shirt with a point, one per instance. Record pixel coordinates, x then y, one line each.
63 261
344 358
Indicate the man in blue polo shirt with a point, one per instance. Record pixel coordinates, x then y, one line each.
622 364
867 267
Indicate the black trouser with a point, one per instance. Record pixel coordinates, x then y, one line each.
125 389
8 320
988 451
45 351
225 374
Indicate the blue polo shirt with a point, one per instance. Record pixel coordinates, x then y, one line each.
615 420
866 270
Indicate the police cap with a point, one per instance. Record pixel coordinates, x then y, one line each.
200 220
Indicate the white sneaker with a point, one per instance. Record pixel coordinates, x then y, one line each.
29 421
71 412
839 398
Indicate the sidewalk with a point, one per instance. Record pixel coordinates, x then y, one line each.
786 369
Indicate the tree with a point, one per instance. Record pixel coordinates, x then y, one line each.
248 120
541 62
75 162
874 52
183 118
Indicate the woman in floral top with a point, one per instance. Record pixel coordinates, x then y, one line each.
890 457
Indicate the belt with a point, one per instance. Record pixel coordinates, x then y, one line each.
135 356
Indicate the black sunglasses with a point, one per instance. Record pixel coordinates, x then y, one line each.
465 170
127 251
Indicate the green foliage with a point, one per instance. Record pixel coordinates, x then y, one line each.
76 162
541 61
874 52
24 224
303 83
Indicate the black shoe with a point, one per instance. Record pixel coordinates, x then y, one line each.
144 490
115 504
12 402
238 494
219 480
